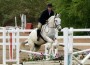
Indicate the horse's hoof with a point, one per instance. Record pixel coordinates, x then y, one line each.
21 63
47 59
20 51
28 55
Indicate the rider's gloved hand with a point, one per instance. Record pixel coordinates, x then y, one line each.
46 20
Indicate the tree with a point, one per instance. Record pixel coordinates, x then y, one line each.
74 13
11 8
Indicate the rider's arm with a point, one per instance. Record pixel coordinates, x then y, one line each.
42 18
52 13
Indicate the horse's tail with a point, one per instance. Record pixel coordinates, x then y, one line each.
25 42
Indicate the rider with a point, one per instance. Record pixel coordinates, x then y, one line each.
43 18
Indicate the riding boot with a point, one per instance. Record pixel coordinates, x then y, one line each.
38 34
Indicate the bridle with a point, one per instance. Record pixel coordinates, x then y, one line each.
54 25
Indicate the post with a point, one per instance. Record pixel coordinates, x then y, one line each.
65 33
15 21
70 46
4 46
17 46
23 21
13 38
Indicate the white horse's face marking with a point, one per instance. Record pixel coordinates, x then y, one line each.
58 23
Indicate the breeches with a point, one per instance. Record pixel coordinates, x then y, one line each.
39 25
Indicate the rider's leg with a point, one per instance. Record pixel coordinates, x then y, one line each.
39 25
38 31
43 36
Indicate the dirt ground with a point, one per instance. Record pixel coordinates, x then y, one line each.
25 55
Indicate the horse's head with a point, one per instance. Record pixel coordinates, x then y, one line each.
55 22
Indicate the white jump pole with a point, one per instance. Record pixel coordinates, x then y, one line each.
37 53
81 51
85 58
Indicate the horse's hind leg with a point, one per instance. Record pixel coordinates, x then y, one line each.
22 45
37 47
31 46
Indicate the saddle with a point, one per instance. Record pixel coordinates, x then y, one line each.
39 35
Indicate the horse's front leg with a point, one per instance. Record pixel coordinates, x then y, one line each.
55 48
48 39
32 48
48 50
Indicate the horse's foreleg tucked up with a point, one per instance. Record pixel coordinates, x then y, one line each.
48 39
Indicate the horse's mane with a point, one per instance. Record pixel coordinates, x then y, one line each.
51 19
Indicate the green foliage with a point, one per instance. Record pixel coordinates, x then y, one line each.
11 8
74 13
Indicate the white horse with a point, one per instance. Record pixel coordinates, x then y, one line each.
52 48
47 32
